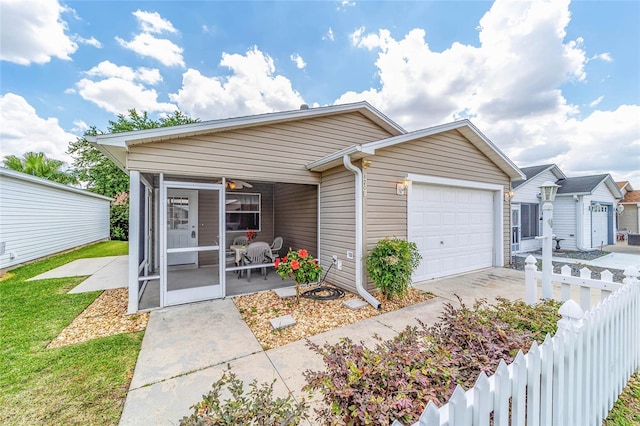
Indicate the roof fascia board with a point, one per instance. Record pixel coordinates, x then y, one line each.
50 183
559 175
161 133
613 187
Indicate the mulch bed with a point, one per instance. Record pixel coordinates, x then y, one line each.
106 316
311 316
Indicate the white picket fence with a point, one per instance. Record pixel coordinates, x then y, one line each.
572 378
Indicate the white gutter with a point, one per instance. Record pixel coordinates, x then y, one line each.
359 226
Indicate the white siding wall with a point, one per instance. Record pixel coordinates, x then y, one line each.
528 193
39 218
564 222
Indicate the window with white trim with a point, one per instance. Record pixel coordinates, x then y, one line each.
529 220
243 211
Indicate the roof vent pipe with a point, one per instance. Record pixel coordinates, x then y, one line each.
359 227
304 106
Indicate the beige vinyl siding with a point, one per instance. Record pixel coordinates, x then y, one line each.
447 155
275 153
628 219
296 217
337 224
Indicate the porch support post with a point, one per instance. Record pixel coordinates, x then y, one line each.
134 238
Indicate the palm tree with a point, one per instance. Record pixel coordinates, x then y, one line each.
37 164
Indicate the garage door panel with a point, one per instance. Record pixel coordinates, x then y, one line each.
453 229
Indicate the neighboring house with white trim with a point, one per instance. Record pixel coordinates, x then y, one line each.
333 180
583 211
39 217
628 218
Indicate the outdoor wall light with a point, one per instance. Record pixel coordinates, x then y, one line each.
509 194
548 191
401 188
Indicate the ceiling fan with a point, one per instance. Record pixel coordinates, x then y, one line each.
236 184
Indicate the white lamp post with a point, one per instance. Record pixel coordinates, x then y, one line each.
548 194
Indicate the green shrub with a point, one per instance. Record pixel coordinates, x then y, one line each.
119 219
396 379
390 265
257 407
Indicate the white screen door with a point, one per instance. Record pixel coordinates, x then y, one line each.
193 216
182 224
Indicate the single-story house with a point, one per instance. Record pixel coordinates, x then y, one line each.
39 217
583 211
333 180
628 218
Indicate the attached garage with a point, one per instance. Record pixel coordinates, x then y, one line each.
456 225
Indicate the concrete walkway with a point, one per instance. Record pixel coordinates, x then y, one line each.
105 273
186 348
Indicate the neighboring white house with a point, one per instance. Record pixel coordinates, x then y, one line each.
583 212
39 217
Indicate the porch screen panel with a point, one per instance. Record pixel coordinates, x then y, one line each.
143 223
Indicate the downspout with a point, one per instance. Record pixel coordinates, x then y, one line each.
359 227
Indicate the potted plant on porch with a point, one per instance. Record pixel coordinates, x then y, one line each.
300 267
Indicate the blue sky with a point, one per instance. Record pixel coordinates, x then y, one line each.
545 81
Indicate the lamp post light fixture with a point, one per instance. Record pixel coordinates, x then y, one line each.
548 192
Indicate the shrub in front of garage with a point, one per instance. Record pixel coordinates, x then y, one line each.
390 265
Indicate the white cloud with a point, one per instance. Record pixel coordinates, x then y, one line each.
33 31
89 41
252 88
23 130
146 44
152 22
79 126
119 88
510 86
329 35
596 101
345 3
297 59
603 57
109 69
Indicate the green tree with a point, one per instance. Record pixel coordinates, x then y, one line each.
102 175
37 164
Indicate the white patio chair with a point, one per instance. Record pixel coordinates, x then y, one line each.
257 254
240 240
276 246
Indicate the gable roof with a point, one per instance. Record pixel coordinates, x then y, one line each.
621 185
584 185
465 127
533 171
632 197
115 145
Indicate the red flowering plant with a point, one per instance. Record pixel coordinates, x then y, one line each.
300 267
250 235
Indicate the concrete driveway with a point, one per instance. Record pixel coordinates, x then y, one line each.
186 348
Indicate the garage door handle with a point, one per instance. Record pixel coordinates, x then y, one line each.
441 242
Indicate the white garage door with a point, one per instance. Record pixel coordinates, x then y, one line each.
453 229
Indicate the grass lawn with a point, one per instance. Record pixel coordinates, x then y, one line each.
79 384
